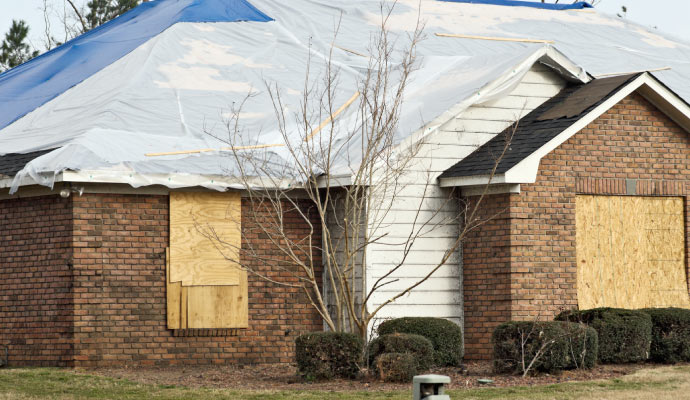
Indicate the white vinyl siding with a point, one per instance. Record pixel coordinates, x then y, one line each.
441 296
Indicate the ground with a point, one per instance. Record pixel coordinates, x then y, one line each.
611 382
284 377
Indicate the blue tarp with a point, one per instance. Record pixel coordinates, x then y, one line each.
30 85
516 3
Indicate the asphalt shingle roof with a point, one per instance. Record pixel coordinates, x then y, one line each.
538 127
12 163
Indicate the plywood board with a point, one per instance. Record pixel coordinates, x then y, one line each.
215 307
173 292
587 263
205 233
184 320
630 252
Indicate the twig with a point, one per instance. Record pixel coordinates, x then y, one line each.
81 19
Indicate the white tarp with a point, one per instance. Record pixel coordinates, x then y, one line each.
177 91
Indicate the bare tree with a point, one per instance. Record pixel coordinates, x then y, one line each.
342 180
75 20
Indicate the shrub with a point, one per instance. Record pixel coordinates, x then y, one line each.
419 346
670 334
445 336
564 345
624 335
396 367
326 355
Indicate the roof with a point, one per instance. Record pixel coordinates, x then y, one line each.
167 76
10 164
538 127
43 78
578 5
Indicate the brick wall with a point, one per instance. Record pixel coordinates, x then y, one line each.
82 283
120 302
632 142
486 274
35 281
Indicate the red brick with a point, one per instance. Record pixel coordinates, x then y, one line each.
95 296
522 265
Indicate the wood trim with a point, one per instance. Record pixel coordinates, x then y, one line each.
494 38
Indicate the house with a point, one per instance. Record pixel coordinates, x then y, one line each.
114 148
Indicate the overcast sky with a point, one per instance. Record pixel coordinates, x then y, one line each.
668 16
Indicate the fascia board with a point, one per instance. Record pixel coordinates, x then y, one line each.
567 68
668 102
25 181
170 180
334 181
477 180
491 189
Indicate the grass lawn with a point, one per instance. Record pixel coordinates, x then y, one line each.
41 383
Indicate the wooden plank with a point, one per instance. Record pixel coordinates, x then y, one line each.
196 258
668 285
333 116
630 252
173 292
196 151
183 308
665 234
217 307
584 219
634 252
663 245
619 267
606 253
493 38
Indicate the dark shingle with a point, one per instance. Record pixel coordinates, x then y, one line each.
533 132
12 163
585 97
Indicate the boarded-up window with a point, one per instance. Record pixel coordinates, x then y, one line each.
630 252
205 289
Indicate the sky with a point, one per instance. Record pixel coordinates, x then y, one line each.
668 16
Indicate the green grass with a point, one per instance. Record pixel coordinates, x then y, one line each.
47 383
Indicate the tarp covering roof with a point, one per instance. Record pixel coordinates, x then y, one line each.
176 89
516 3
32 84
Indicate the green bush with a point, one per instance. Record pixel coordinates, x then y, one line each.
396 367
326 355
419 346
624 335
563 345
445 336
670 334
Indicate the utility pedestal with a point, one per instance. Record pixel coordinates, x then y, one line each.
430 387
